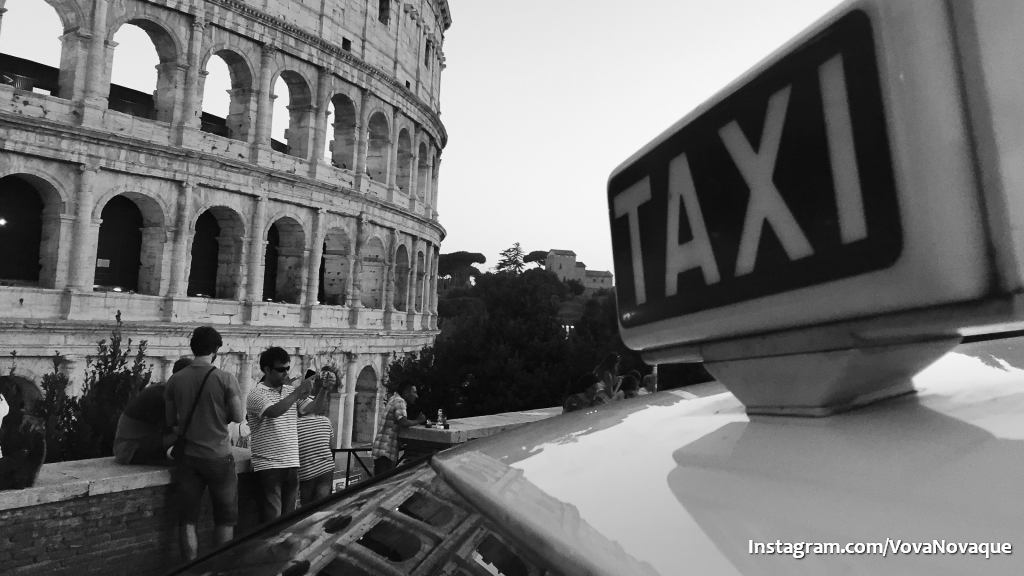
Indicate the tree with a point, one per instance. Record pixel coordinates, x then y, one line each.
575 286
459 265
538 257
511 260
113 377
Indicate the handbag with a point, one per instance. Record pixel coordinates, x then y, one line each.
178 450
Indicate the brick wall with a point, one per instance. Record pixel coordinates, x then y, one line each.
122 532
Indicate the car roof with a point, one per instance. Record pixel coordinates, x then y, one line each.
662 482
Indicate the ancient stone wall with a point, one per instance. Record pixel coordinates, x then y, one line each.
147 206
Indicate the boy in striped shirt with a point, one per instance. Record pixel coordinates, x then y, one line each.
316 463
274 443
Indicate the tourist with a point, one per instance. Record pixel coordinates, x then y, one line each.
316 462
200 401
587 391
274 443
385 445
143 436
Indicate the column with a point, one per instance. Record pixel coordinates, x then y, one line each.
190 110
351 299
391 168
435 166
257 247
179 272
81 261
320 127
97 54
2 11
350 400
390 271
428 264
362 140
433 289
316 254
265 108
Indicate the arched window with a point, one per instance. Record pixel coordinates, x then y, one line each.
144 72
282 276
119 246
343 148
334 269
21 231
292 121
30 47
371 277
215 270
377 149
421 274
401 278
364 424
423 173
228 97
404 176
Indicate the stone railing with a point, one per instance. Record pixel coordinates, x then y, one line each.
99 517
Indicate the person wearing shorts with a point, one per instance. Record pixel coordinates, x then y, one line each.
207 462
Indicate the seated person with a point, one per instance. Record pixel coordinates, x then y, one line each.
143 436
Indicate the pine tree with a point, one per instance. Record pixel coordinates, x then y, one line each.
512 260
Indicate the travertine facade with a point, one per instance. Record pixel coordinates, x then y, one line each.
146 205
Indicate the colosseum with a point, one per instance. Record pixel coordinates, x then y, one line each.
324 241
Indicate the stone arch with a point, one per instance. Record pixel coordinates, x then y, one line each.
69 12
371 273
130 244
335 268
160 104
401 278
378 144
404 173
30 230
235 124
215 258
300 114
346 137
282 276
28 65
421 274
422 172
364 425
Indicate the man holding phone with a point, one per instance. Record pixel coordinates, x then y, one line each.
274 443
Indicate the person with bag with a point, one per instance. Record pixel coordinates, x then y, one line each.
201 400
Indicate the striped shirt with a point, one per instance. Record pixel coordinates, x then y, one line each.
314 446
274 442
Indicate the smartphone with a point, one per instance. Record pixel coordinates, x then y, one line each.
309 373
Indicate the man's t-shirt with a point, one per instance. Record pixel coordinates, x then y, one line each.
274 442
207 433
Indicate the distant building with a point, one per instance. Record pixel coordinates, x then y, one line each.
563 263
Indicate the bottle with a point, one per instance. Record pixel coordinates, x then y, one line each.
441 419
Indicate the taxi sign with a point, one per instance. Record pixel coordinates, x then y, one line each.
787 182
848 192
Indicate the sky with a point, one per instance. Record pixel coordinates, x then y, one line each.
541 101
